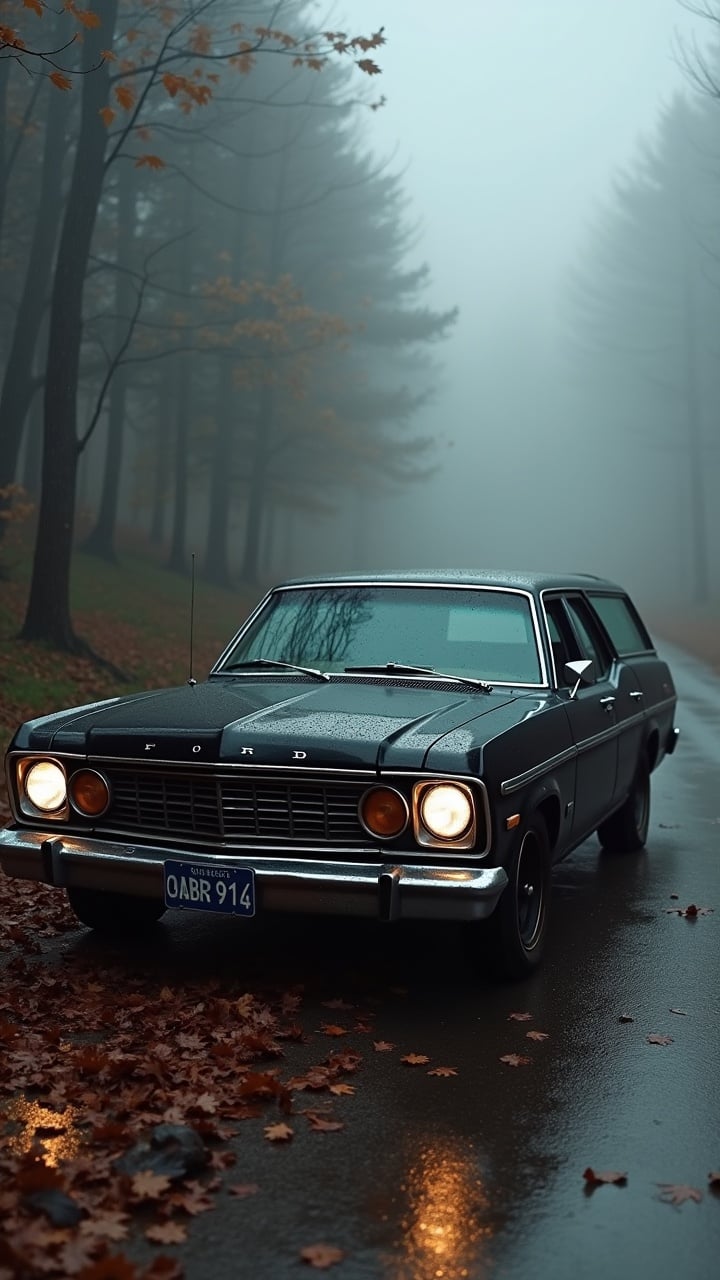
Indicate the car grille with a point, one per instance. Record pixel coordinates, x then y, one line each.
229 807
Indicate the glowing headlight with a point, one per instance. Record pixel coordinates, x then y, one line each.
446 811
45 786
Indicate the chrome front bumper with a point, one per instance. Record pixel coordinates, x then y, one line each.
389 890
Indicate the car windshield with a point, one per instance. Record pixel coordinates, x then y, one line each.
478 633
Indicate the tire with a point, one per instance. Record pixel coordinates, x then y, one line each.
518 927
627 830
114 913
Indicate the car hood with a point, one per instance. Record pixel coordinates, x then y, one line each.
357 723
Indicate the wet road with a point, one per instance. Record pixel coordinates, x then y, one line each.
481 1173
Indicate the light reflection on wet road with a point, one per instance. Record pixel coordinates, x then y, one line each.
480 1174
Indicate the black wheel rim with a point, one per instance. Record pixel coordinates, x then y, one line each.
530 890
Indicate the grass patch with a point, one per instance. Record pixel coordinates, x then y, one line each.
134 614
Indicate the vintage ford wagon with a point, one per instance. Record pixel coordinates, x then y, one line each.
411 745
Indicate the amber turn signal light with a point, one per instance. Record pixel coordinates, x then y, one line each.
89 793
383 812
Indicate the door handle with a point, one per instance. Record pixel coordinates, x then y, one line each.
607 703
636 693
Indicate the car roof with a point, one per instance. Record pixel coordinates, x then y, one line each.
532 581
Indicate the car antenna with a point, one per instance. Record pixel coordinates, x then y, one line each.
191 680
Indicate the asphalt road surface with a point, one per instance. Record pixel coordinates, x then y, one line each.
480 1173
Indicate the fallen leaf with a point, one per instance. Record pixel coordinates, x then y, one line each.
677 1193
690 912
519 1017
515 1060
626 1017
321 1125
443 1071
382 1046
658 1039
167 1233
279 1132
330 1029
321 1256
341 1089
596 1178
107 1226
243 1189
415 1059
714 1180
537 1035
681 1012
149 1186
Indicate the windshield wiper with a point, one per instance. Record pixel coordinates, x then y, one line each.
273 662
406 669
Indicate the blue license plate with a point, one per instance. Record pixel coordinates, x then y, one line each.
206 887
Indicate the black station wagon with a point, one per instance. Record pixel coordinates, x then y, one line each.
415 745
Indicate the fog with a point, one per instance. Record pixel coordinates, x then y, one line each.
295 305
512 121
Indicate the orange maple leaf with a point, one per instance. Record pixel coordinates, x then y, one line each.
280 1132
537 1035
167 1233
108 115
126 98
415 1059
515 1060
60 81
35 5
443 1071
519 1017
321 1125
382 1046
83 16
369 67
342 1089
148 1185
321 1256
330 1029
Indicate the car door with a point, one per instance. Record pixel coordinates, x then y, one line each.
574 635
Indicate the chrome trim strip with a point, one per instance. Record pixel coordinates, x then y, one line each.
514 784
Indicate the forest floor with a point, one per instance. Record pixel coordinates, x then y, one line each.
135 615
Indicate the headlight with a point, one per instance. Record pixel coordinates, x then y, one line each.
45 786
89 793
446 811
383 812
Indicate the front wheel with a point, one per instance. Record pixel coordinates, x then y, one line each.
627 830
114 913
517 929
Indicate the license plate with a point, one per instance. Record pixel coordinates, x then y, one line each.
201 887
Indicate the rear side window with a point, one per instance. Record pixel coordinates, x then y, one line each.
622 624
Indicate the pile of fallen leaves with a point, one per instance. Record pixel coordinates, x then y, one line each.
120 1095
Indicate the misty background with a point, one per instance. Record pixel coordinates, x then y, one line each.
300 291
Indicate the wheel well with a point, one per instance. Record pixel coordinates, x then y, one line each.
652 747
550 810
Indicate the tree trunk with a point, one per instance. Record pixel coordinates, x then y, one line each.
4 82
18 383
257 495
101 539
176 560
162 453
700 573
48 611
216 568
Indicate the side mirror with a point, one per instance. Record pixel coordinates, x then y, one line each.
580 672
